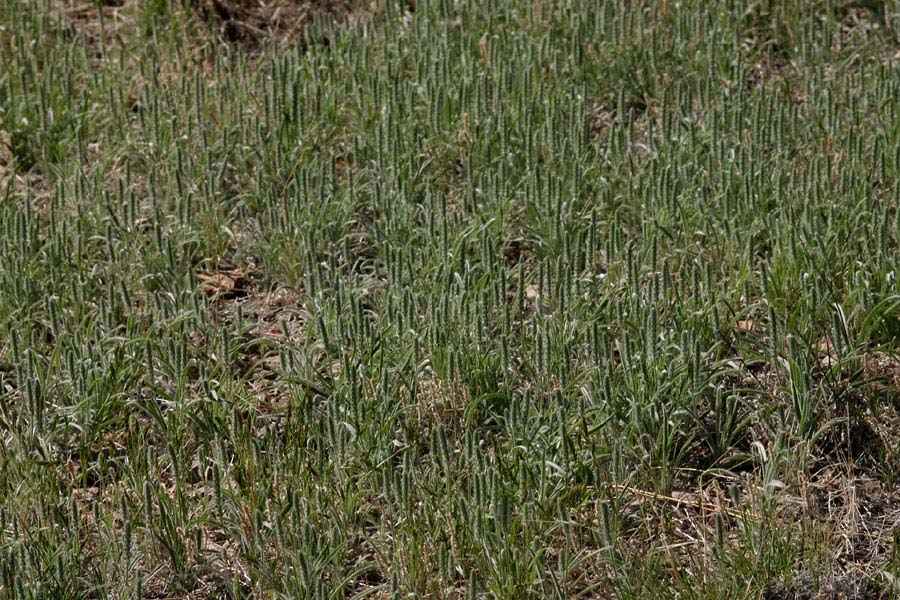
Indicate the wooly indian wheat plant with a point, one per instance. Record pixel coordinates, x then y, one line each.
449 299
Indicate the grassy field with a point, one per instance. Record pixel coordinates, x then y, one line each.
449 299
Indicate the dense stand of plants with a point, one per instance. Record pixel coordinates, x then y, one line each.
449 299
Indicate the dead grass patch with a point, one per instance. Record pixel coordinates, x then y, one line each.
108 25
25 186
253 23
